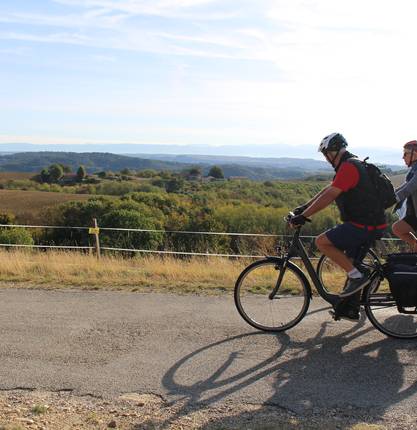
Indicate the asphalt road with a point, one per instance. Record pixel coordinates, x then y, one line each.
197 348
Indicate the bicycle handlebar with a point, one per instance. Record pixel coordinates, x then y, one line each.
290 216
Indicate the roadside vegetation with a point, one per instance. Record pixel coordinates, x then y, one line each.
156 200
55 270
143 273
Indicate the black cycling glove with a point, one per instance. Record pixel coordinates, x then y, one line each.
300 209
298 220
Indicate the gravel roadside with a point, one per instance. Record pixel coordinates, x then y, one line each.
22 409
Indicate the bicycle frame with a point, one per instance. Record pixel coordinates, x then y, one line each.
297 250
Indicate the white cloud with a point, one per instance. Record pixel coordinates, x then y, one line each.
348 35
163 8
109 25
342 14
310 37
61 38
343 65
89 19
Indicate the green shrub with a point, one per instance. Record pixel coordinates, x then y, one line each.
16 236
115 188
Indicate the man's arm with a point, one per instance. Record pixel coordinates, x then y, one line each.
322 200
406 189
310 202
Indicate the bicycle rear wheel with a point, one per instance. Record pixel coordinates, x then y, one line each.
288 306
382 311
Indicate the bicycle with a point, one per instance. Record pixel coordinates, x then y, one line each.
285 289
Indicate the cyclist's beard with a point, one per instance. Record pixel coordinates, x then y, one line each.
331 160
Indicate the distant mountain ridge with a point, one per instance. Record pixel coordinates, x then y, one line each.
251 167
92 161
98 161
307 164
377 155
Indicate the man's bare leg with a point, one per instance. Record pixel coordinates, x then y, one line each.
405 232
350 290
335 254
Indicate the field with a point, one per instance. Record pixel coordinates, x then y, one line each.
8 176
27 205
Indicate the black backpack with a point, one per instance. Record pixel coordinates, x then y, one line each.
383 186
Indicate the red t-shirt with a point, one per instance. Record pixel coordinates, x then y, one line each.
347 177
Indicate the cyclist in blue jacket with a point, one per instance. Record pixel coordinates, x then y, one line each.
406 195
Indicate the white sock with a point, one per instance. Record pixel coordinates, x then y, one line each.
355 274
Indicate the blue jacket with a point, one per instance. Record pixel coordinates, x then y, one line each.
409 187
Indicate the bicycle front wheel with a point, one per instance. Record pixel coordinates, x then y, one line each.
286 309
382 311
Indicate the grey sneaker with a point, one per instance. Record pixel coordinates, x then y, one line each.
355 285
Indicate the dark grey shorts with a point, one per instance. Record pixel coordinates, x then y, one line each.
350 238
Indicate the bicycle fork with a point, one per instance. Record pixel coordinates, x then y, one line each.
273 293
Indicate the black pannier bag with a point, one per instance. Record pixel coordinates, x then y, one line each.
401 272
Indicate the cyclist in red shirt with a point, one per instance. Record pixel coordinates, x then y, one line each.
362 214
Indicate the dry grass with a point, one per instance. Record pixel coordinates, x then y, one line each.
63 269
70 269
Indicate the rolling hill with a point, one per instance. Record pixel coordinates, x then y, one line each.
97 161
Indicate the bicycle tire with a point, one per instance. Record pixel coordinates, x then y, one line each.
334 282
382 312
252 290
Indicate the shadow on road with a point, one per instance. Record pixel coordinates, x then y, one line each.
324 372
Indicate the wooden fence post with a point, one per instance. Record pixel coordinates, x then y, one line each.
95 230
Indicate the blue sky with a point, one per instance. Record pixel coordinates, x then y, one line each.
207 71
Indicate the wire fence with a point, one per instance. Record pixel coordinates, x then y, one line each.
96 248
